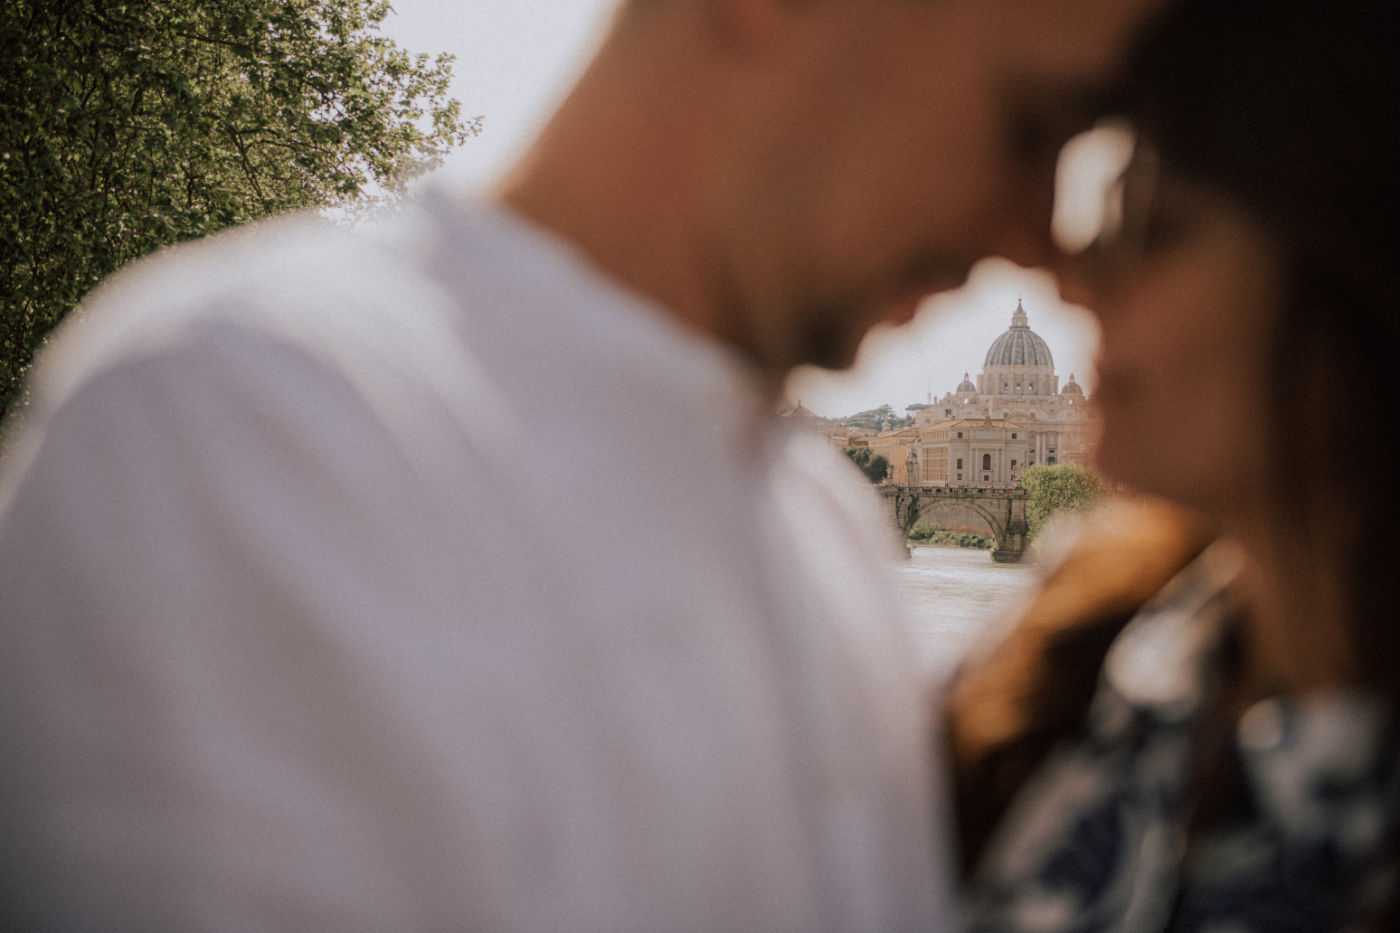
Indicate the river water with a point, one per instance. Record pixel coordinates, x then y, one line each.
961 596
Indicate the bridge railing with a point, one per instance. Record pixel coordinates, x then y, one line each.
1008 491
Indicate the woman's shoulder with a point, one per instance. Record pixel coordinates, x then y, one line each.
1011 704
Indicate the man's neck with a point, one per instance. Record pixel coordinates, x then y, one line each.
617 172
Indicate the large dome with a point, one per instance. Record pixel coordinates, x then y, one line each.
1020 347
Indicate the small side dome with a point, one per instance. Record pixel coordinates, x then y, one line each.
1072 387
965 387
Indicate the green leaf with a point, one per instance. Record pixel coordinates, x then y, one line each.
125 127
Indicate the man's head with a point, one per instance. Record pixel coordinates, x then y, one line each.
785 174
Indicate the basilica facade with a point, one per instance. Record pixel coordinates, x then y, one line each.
986 433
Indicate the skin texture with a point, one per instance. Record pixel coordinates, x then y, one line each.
785 175
1187 309
1184 350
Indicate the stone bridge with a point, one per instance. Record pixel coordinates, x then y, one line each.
1001 508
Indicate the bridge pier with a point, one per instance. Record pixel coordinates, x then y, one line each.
1012 554
1015 542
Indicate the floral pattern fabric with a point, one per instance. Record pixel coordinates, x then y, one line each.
1098 840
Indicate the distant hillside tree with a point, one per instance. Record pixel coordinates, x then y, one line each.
871 419
1055 488
126 125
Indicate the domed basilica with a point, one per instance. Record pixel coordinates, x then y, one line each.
987 433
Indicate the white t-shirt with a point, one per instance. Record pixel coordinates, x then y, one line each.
427 580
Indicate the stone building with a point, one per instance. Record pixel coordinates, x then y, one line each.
958 452
1018 384
985 433
894 447
971 452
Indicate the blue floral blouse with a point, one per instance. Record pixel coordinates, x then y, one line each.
1098 839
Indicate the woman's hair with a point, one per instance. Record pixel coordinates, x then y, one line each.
1289 107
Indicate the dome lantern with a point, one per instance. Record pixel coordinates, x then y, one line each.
1018 317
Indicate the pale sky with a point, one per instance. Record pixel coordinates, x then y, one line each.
515 61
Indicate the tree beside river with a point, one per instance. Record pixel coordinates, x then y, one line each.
125 127
1055 488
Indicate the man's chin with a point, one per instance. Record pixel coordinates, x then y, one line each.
836 348
901 312
827 350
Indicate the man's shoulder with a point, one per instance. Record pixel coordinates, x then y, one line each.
812 457
820 474
296 281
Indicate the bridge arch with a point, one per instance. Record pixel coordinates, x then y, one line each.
1003 510
940 511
